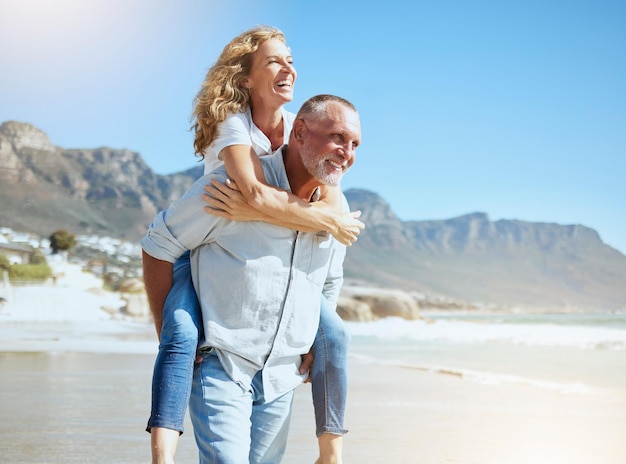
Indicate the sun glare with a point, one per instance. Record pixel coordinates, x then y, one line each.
55 31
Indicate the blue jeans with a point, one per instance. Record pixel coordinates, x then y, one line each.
233 426
173 368
182 329
329 376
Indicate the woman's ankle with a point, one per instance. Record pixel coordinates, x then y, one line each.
331 447
163 443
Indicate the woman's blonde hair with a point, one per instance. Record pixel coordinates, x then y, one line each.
221 92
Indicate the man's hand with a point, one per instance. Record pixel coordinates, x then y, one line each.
307 364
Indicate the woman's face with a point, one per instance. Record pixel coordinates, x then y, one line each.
272 75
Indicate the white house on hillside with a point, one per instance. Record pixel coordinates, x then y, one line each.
16 253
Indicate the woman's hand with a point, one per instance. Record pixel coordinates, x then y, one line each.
348 228
225 200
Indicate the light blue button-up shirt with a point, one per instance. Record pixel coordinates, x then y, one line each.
259 285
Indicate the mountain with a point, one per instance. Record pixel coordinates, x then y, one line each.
100 191
507 262
471 258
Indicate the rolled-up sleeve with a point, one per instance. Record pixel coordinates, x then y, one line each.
183 226
160 243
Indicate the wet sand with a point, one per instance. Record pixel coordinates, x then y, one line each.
398 415
92 407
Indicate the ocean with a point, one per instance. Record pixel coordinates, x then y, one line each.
569 353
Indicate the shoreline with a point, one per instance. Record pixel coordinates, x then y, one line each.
66 365
101 336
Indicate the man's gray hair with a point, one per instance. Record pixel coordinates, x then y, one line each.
317 105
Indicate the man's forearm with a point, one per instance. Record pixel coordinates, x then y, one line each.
157 277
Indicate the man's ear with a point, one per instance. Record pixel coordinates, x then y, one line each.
298 130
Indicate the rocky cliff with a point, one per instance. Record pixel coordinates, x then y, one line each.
102 190
508 262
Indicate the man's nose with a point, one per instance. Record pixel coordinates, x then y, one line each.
347 151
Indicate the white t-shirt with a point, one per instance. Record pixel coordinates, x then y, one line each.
239 129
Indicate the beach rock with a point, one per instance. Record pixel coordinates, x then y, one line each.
359 303
133 292
132 285
350 309
136 304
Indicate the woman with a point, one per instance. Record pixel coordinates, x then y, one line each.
239 116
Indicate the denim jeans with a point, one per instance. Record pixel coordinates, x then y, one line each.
182 329
233 426
173 368
329 376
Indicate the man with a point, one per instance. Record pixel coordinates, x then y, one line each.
259 288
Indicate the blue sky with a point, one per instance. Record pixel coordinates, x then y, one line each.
516 109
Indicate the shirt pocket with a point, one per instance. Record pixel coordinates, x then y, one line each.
320 248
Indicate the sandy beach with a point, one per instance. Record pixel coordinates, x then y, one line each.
76 388
92 408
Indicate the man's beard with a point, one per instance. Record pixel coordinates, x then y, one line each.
315 165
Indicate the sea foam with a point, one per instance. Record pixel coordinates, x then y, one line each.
462 331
